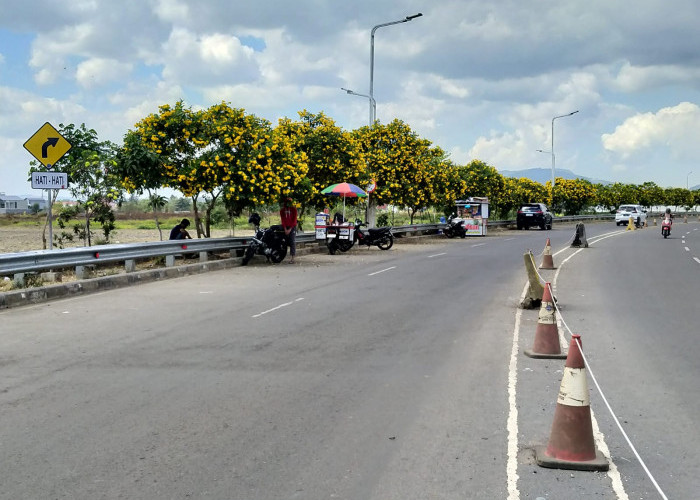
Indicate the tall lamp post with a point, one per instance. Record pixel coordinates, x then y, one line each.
372 102
556 117
687 180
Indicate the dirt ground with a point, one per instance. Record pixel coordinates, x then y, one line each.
23 239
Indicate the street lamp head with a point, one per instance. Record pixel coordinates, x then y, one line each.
409 18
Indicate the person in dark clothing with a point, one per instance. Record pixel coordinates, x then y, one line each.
179 232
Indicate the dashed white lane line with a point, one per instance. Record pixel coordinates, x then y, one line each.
437 255
382 271
478 245
277 307
696 260
687 249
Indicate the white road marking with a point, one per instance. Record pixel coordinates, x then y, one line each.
277 307
437 255
686 248
512 422
696 260
478 245
383 270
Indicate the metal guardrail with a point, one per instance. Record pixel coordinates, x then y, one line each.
129 253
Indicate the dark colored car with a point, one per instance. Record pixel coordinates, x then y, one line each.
534 214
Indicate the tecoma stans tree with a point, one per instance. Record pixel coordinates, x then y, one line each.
401 164
332 155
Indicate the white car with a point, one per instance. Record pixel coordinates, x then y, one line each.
623 214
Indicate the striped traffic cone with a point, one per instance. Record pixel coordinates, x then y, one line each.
546 344
571 444
547 262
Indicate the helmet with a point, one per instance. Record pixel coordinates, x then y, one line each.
668 210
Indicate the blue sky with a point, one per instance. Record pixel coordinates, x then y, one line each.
482 80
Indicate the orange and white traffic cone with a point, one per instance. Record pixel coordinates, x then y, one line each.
547 262
546 344
571 444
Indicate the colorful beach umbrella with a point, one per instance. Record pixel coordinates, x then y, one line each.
346 190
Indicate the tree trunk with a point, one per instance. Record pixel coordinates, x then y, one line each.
197 220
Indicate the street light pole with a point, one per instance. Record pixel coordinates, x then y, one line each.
372 102
560 116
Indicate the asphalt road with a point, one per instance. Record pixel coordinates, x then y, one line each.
370 375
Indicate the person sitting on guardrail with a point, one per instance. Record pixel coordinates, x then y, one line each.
179 232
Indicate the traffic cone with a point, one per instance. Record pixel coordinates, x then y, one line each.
571 444
630 225
546 344
547 262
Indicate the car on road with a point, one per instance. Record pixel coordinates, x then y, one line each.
534 214
623 214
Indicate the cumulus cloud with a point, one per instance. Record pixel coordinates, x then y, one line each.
673 127
208 59
98 71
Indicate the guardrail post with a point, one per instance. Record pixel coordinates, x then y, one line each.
83 272
130 265
18 278
169 260
203 256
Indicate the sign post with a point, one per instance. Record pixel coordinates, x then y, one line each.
48 146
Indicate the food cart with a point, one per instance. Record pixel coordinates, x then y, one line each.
475 213
326 230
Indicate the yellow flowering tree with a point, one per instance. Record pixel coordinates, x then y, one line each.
332 155
402 164
481 179
572 196
265 167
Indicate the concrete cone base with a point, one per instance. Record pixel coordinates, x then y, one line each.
599 463
543 355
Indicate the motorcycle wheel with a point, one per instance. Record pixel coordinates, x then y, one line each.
463 234
386 242
278 254
332 247
345 245
249 252
449 233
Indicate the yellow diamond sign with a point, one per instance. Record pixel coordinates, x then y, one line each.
47 145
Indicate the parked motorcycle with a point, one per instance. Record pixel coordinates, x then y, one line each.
379 236
455 227
666 227
270 242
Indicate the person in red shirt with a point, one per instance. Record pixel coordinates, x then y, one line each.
288 214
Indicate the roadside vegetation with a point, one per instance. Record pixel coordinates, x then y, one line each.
226 163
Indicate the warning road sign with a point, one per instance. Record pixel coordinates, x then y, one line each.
47 145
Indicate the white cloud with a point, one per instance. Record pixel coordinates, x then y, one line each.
638 78
172 10
207 60
673 127
98 71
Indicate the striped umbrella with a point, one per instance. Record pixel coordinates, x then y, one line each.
346 190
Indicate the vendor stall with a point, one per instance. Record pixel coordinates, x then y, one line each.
475 213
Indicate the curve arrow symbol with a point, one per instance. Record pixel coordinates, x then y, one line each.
51 141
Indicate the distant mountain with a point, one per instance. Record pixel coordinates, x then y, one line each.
542 175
